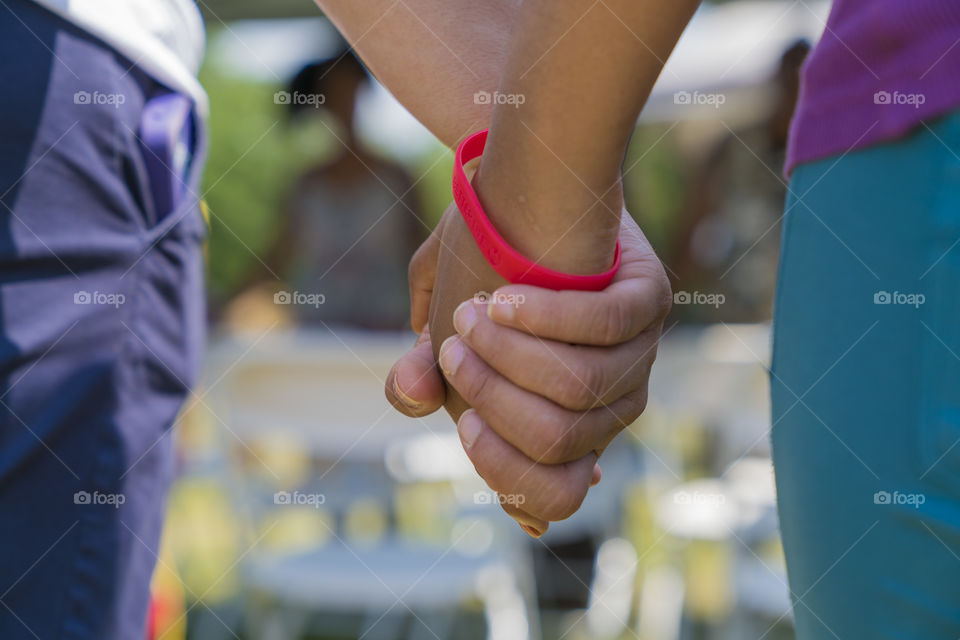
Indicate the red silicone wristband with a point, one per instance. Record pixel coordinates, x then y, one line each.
507 261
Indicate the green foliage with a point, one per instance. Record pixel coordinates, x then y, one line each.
250 165
655 183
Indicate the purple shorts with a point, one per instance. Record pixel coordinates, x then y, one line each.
101 332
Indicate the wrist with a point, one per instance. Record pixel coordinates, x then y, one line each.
549 217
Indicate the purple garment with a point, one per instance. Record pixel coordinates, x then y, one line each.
881 67
101 334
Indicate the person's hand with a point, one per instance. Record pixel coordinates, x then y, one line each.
552 376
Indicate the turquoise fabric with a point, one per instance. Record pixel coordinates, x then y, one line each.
865 384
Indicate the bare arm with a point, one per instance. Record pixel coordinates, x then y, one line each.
433 55
550 176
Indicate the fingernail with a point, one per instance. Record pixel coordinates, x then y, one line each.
404 398
451 355
530 530
464 317
470 425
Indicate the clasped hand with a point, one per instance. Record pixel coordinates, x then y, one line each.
539 381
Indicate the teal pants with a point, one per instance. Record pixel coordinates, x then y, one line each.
865 386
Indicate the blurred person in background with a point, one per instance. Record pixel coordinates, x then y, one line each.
729 239
351 223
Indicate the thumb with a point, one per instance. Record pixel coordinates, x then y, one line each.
422 273
414 386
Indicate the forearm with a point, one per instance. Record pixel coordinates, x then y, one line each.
433 55
550 175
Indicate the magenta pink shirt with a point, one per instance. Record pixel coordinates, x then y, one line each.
880 68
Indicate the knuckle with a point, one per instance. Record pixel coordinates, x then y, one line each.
635 405
478 386
545 442
563 503
560 441
665 298
592 385
615 323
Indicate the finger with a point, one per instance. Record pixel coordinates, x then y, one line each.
542 430
573 376
608 317
597 475
531 525
414 385
639 297
548 492
422 273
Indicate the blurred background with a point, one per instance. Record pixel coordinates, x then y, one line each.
306 508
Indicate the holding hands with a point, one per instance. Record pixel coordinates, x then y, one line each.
540 381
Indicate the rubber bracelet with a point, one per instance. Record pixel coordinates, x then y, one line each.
507 261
